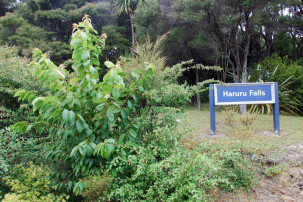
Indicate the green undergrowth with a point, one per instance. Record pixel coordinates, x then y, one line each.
171 172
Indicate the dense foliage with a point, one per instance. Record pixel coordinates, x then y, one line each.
289 75
105 139
47 25
31 183
14 74
16 149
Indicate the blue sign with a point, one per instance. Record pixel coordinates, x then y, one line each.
244 93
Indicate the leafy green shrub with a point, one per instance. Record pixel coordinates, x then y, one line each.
177 174
14 74
16 149
87 117
172 95
154 117
30 183
107 126
8 117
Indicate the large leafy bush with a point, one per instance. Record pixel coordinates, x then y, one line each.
85 116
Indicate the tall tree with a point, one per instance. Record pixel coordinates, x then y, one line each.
231 23
293 20
128 7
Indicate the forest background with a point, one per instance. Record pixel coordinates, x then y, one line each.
247 38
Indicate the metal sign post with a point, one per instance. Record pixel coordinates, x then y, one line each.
244 93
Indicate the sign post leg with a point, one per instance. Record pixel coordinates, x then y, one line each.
212 109
276 110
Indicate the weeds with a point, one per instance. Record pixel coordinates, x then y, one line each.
240 127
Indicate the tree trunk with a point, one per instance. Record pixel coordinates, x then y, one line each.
243 108
132 28
198 94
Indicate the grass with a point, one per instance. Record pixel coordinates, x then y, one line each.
264 140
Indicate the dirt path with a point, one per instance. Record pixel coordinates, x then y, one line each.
286 186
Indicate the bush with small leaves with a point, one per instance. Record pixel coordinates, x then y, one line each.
16 149
177 174
14 74
172 95
30 183
8 117
239 126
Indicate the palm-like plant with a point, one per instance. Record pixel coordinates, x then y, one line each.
128 7
288 104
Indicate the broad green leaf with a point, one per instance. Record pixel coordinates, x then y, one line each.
123 114
53 100
70 96
29 127
135 98
92 145
74 151
95 61
92 69
69 186
37 103
133 133
107 149
121 138
122 73
134 74
116 93
77 54
109 64
68 116
85 55
19 92
86 63
31 98
76 42
79 126
82 150
141 89
110 115
73 81
129 104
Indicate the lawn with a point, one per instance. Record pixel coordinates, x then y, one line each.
263 140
